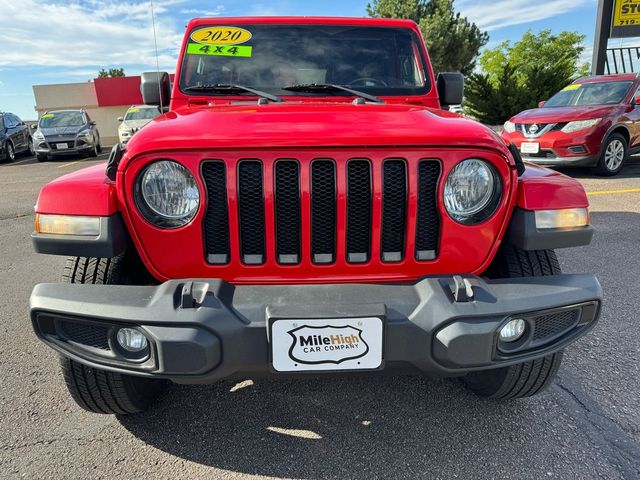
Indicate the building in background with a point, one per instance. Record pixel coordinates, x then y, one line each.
104 99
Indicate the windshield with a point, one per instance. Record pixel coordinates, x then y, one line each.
600 93
379 61
141 114
62 119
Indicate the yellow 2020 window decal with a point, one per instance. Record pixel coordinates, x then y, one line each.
220 50
48 115
573 86
221 35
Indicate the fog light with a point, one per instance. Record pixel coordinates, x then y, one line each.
132 340
513 330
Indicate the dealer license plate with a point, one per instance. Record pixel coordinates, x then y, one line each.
530 147
61 146
330 344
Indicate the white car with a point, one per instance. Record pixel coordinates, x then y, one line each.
137 116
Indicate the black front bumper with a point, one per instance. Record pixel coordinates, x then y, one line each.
204 330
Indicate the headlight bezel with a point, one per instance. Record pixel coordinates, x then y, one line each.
38 135
152 215
490 206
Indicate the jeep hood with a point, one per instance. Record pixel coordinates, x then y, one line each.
564 114
310 125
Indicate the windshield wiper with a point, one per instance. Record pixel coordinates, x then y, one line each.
231 89
330 87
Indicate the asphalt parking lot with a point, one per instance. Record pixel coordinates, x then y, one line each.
587 425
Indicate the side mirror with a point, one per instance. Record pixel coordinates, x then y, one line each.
155 88
541 104
450 88
120 119
34 126
92 123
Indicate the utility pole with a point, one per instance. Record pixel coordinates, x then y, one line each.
602 34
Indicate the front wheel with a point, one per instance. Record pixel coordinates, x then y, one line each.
517 381
11 153
96 390
614 154
528 378
41 157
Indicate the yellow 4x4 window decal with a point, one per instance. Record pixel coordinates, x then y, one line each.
220 50
573 86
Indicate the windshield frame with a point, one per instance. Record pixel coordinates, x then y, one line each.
584 86
424 67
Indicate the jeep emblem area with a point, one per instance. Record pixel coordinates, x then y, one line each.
339 344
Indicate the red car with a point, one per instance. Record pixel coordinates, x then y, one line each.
306 207
594 122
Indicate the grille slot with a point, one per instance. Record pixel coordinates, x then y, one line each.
550 326
95 336
428 219
287 210
251 212
358 211
216 220
394 210
323 211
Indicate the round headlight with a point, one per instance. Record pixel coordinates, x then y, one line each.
167 194
472 191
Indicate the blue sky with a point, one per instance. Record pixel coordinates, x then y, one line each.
69 41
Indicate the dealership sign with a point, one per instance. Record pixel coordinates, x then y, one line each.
626 19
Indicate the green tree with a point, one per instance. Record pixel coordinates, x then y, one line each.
112 72
453 41
517 76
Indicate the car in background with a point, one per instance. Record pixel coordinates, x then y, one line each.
594 122
137 116
15 137
66 132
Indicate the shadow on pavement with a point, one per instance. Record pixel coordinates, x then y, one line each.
332 428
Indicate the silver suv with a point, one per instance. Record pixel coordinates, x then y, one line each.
137 116
66 132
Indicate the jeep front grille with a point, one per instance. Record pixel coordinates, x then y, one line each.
339 195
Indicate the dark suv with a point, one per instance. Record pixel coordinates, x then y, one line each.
15 136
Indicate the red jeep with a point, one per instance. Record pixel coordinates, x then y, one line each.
304 206
594 122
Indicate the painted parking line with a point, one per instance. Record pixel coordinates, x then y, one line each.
613 192
68 164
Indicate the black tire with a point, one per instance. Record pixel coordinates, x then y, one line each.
99 146
94 152
41 157
97 390
11 152
528 378
31 151
604 168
